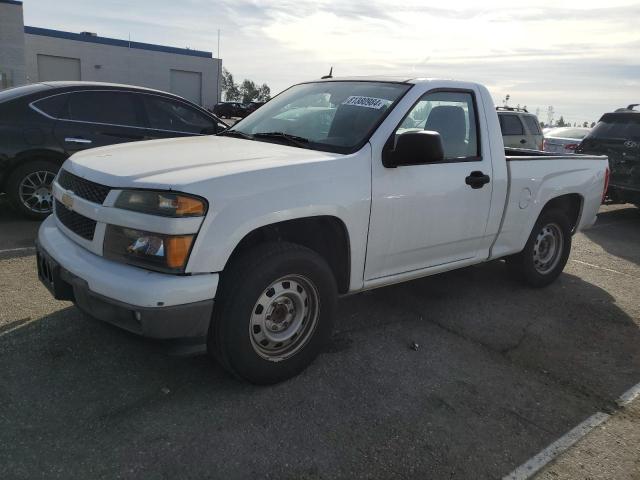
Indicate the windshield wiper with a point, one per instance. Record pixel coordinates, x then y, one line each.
235 133
291 139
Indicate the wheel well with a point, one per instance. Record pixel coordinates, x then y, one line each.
326 235
570 204
31 156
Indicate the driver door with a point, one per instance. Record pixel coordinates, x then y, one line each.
428 215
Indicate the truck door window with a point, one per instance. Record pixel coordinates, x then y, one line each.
453 116
511 125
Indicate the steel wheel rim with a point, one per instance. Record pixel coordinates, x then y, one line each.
547 248
35 191
284 317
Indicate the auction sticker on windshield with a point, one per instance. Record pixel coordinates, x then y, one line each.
368 102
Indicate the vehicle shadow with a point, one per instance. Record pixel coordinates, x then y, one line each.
498 372
625 224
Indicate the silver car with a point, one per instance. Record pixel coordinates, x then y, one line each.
564 139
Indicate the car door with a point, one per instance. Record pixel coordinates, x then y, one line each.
167 117
431 214
513 132
95 118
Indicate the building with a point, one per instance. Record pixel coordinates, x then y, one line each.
32 54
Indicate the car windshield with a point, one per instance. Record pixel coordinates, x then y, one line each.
624 126
335 116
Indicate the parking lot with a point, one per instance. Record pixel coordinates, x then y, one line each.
501 371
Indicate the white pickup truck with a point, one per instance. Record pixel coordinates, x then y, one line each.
240 243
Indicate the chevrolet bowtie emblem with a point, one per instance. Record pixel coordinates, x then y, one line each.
67 201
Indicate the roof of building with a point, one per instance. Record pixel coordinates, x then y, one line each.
79 37
11 2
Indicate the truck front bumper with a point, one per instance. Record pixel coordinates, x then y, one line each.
150 304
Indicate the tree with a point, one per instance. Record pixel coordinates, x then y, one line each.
229 87
561 122
246 92
264 93
593 124
585 124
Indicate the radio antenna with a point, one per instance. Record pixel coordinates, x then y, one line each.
328 76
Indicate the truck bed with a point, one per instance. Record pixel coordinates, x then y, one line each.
531 183
520 154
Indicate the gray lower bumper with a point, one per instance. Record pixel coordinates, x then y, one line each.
187 325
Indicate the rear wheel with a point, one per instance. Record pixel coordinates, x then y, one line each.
29 188
274 312
546 251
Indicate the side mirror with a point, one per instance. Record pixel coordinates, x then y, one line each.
415 148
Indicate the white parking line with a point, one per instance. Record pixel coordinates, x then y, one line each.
603 268
17 325
546 456
536 463
629 396
21 249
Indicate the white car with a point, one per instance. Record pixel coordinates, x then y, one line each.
239 244
564 139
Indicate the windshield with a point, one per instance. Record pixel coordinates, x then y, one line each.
624 126
332 116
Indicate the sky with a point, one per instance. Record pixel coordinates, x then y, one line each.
581 57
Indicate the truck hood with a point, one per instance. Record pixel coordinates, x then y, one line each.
177 162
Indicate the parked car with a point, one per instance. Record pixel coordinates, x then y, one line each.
564 139
231 109
42 124
617 135
256 231
253 106
520 129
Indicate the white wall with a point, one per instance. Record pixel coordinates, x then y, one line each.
110 63
12 68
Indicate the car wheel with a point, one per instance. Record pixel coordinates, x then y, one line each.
546 251
29 188
274 312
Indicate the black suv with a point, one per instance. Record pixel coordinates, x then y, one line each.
42 124
231 109
617 135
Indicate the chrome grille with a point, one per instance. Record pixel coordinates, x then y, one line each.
94 192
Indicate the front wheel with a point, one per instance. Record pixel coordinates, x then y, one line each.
546 251
29 188
274 312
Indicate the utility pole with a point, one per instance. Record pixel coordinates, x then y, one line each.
219 70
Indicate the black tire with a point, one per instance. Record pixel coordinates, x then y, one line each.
526 265
19 179
244 284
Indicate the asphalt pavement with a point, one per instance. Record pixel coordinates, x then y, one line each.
500 372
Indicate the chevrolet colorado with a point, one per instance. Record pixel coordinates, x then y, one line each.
240 243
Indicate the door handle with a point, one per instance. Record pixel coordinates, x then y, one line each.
83 141
477 179
523 141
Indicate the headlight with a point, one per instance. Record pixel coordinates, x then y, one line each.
166 204
155 251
